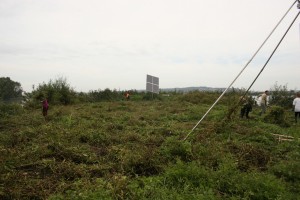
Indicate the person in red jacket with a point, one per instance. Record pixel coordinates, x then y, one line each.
45 107
127 96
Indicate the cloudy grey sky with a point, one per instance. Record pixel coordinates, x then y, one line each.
98 44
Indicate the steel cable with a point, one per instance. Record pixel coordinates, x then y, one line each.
271 55
240 72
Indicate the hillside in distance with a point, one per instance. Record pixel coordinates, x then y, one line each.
189 89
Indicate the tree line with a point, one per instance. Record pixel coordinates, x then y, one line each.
59 91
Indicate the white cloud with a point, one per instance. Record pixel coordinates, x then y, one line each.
115 43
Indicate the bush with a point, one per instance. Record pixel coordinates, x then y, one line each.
105 95
257 187
10 109
57 92
158 188
174 148
234 184
281 96
277 115
197 97
290 171
151 96
192 174
10 90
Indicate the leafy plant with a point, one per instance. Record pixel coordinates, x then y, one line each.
277 115
10 90
281 96
57 91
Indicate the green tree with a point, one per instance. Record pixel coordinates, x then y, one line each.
57 91
9 89
281 96
105 95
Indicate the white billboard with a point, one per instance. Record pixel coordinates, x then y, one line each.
152 84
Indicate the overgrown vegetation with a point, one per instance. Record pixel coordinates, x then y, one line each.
57 91
10 91
115 149
281 96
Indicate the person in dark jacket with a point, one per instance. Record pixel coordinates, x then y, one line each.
246 106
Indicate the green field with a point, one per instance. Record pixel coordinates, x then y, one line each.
134 150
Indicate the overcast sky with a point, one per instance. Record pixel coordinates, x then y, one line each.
98 44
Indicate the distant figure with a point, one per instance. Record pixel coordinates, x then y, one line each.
127 96
246 106
263 102
296 104
45 107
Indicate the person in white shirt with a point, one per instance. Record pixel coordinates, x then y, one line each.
263 102
296 104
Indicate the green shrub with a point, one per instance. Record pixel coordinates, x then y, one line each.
197 97
190 173
280 96
98 189
151 96
289 170
277 115
10 91
174 148
256 186
57 92
181 181
10 109
105 95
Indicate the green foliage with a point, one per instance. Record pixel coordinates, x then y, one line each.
280 96
10 90
105 95
173 148
277 115
289 168
10 109
233 184
180 182
57 92
151 96
134 150
198 97
192 174
290 171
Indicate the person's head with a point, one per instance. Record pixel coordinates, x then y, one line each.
267 92
298 94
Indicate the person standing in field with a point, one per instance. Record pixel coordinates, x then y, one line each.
246 106
127 96
45 107
296 104
263 102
